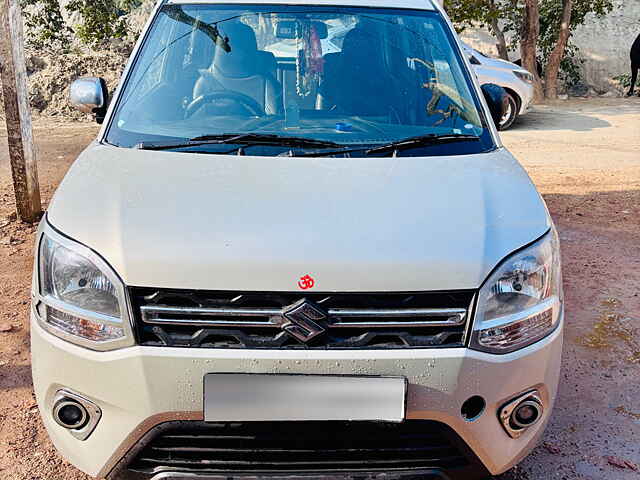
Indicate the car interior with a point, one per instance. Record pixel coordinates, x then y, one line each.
295 70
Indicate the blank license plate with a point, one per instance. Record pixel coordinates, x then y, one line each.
248 397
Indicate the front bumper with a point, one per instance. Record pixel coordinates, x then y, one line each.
138 388
525 91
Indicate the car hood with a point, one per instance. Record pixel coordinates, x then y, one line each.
226 222
491 62
498 64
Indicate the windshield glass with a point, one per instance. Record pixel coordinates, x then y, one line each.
347 75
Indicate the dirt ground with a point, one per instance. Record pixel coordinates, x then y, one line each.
584 156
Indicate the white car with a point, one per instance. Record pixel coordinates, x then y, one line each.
308 266
517 81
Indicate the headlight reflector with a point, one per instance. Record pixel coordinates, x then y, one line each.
79 297
74 279
520 303
524 76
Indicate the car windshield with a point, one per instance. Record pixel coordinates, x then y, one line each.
342 75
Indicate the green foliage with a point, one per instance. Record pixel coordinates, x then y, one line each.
45 24
570 72
623 81
99 21
466 13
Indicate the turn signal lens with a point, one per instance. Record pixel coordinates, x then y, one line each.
519 333
82 327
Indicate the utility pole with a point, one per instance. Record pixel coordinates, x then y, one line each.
18 115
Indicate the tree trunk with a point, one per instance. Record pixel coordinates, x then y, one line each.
503 52
553 65
529 45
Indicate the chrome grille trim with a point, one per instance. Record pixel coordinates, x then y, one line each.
237 312
446 317
300 320
150 315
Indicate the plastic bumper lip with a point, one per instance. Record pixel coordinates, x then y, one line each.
427 474
140 387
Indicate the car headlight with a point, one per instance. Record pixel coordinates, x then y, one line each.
521 301
524 75
79 296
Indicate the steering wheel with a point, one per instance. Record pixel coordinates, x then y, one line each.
245 101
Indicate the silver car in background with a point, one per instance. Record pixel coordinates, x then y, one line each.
517 81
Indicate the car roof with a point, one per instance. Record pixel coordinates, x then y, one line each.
413 4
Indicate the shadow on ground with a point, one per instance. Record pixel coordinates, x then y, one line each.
548 119
578 117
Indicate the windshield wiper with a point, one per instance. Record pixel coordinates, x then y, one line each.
411 142
344 150
422 140
241 138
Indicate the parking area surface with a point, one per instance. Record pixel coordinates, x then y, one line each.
584 156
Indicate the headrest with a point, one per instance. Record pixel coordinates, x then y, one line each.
362 46
242 60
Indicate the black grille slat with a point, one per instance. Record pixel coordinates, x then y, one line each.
318 447
264 332
261 450
311 464
239 339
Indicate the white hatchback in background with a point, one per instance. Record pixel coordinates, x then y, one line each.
517 81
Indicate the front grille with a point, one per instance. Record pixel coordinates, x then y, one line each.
303 447
180 318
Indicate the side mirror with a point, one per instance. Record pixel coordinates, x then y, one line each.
497 100
90 95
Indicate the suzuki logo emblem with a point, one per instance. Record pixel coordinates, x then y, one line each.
303 318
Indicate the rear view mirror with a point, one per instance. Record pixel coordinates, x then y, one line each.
286 29
289 29
321 29
90 95
497 101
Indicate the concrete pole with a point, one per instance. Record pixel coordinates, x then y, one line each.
13 74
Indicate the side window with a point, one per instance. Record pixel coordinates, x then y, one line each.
448 75
442 82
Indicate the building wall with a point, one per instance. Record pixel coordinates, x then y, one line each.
604 44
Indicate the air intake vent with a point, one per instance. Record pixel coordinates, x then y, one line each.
297 447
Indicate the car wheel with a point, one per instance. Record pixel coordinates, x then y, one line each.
510 115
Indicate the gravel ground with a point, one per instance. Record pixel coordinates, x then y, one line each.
584 156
